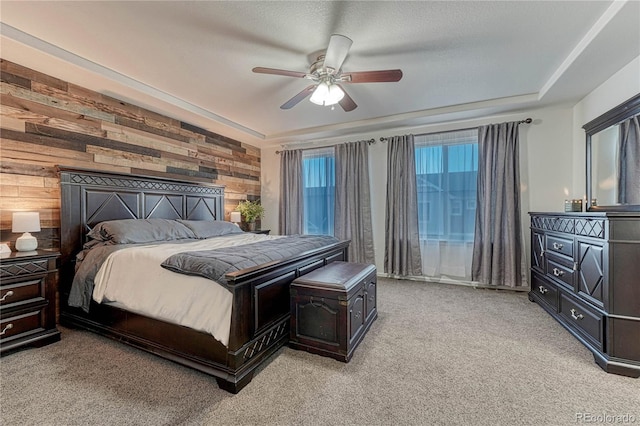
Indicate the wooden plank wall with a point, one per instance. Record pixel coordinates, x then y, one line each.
45 122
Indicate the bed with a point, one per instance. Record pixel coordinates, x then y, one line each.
259 323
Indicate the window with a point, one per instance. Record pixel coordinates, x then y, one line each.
446 176
318 176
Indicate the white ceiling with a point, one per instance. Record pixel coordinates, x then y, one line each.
193 60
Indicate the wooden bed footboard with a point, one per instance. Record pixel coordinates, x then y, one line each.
260 311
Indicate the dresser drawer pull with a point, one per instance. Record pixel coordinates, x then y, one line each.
8 327
7 294
576 316
557 246
542 290
557 272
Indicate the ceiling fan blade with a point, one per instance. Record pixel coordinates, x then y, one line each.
297 98
346 102
372 76
274 71
337 50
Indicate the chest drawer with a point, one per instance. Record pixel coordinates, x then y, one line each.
559 270
22 292
588 321
560 245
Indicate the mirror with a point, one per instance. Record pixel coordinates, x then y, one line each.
613 159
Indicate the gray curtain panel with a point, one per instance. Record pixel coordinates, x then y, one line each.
402 239
291 211
629 158
497 246
353 200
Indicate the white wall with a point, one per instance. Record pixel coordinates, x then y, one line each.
551 156
618 88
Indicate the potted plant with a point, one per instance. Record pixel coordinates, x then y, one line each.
250 211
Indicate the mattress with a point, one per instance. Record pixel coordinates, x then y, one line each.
133 279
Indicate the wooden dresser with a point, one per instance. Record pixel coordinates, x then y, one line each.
585 272
27 299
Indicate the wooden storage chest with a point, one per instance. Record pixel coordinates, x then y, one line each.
332 308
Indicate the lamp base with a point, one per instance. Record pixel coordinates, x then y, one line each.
26 242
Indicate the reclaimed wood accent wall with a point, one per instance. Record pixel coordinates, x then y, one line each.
46 122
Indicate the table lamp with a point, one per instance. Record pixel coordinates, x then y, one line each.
235 217
26 222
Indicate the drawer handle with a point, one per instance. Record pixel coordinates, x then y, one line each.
8 327
7 294
576 316
557 246
557 272
542 290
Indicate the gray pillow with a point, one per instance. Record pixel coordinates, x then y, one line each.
131 231
210 228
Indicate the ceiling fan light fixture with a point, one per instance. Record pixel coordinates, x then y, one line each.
327 94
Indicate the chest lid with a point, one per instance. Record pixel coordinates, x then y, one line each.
336 276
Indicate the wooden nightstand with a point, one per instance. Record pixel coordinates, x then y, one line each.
27 299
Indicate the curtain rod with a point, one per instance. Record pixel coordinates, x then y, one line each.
369 141
525 121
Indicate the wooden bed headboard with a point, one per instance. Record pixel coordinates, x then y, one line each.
90 197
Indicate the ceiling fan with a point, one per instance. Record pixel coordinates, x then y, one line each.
327 77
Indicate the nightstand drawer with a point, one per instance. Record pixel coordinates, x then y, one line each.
588 321
15 269
25 291
20 325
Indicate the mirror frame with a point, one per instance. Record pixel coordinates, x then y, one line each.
625 110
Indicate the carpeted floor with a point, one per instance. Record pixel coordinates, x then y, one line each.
438 354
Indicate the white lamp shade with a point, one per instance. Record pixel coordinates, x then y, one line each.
235 217
25 222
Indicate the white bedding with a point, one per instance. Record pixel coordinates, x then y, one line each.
133 279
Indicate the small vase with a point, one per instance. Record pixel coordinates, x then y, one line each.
251 226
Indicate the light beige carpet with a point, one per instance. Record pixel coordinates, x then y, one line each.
438 354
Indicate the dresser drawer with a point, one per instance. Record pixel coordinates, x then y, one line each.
588 321
21 325
545 291
25 291
559 245
560 270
